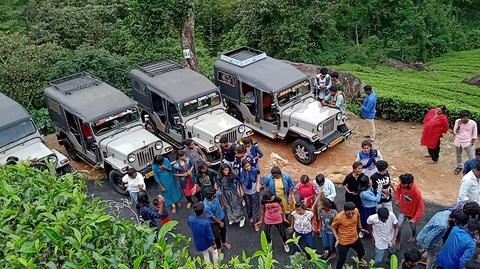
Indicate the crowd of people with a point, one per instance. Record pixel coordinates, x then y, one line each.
237 193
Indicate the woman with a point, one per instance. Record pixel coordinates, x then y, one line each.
273 214
326 214
165 178
302 225
435 124
281 184
307 191
369 157
183 170
150 214
351 184
369 198
251 188
253 150
229 184
206 179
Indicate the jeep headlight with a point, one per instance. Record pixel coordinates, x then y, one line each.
158 145
217 139
319 127
339 116
241 128
52 159
131 158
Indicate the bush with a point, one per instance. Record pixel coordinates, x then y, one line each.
43 121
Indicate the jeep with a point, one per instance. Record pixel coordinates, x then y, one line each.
101 125
20 140
275 99
177 103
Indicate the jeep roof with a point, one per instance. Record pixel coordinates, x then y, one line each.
88 97
12 112
257 69
173 81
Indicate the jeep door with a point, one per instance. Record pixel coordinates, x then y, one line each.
80 138
159 113
174 125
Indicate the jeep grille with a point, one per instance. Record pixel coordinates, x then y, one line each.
231 136
328 126
145 156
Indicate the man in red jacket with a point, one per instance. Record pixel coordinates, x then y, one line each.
409 198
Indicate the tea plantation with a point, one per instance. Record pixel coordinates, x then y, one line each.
406 95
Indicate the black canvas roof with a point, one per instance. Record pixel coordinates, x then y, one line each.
173 81
11 112
259 70
88 97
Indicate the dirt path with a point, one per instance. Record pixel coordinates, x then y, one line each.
398 142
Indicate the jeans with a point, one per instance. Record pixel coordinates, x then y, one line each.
401 219
306 240
134 198
435 153
342 251
379 253
206 255
252 202
387 205
219 233
328 241
458 152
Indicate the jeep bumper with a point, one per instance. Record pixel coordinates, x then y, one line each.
332 140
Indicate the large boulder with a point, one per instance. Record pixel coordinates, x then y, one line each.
394 63
475 81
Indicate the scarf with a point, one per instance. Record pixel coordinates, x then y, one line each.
249 178
371 157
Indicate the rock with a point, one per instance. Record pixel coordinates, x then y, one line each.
394 63
277 160
336 178
475 81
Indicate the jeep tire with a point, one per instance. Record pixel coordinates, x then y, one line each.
150 126
72 155
304 151
234 112
115 179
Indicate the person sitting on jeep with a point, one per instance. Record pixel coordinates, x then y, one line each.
335 99
336 82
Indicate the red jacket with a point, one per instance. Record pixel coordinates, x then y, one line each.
434 126
410 202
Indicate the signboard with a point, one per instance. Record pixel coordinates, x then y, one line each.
186 54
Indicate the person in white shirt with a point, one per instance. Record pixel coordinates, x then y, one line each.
135 183
384 229
323 82
326 186
470 186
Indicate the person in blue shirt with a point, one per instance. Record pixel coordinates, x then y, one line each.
253 150
369 109
281 184
470 164
369 198
214 212
202 234
460 246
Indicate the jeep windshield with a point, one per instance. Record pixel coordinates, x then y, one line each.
115 121
17 132
293 93
197 104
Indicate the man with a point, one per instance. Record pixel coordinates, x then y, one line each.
227 151
327 187
135 183
194 153
214 212
202 234
384 229
459 247
369 109
382 177
470 186
335 99
470 164
411 258
465 131
345 228
323 82
336 82
409 198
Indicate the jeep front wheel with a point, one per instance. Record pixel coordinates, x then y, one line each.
115 178
150 126
234 112
304 151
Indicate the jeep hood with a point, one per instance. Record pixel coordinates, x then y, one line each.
32 149
213 123
310 112
129 141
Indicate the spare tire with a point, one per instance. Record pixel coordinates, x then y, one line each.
115 179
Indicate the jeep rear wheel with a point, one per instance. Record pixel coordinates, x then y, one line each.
72 155
150 126
304 151
234 112
115 178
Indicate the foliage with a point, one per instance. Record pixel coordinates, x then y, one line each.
307 258
43 121
11 15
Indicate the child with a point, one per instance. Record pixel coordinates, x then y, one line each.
251 187
229 185
307 191
382 178
326 215
253 150
411 258
272 214
159 204
302 225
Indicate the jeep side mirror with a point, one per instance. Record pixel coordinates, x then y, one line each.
176 120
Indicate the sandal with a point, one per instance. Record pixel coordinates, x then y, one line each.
457 170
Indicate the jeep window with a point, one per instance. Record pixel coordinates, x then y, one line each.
293 93
16 132
113 122
197 104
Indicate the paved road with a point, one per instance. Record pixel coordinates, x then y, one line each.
244 239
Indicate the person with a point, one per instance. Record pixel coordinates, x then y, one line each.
183 170
253 150
470 164
135 183
227 151
369 198
301 224
281 184
382 178
194 153
241 155
369 157
411 258
251 189
350 183
326 215
470 186
369 110
216 215
409 198
459 247
323 82
336 82
472 264
159 204
345 228
147 213
202 234
307 191
465 130
206 178
229 184
335 99
435 124
384 228
326 186
272 214
165 178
